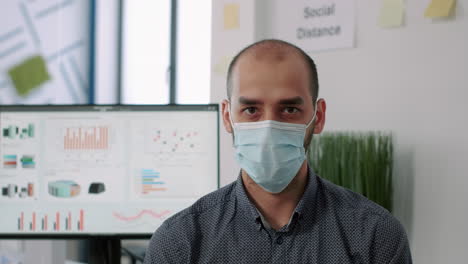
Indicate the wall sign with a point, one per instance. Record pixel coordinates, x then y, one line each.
314 25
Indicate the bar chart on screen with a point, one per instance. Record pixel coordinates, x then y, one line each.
86 138
81 135
58 221
18 190
83 143
150 182
15 131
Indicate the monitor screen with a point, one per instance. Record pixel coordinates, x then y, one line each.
103 170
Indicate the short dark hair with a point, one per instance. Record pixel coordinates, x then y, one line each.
313 77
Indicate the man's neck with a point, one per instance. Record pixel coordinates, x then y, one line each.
277 208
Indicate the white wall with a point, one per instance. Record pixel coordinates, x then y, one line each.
225 44
410 80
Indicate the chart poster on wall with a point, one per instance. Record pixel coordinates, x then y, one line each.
44 52
314 25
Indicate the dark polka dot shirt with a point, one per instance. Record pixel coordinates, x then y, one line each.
330 225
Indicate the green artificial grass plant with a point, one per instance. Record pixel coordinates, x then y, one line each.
359 161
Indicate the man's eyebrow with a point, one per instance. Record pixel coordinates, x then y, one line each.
246 101
292 101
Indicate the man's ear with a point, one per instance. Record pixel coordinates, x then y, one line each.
320 118
226 115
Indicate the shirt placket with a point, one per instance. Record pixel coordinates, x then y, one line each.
279 247
282 239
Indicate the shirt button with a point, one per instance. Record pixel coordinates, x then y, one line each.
279 240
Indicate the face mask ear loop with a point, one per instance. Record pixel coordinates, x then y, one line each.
315 115
230 113
232 123
230 116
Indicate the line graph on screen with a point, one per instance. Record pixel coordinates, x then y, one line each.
141 214
141 220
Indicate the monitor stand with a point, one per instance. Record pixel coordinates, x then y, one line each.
104 250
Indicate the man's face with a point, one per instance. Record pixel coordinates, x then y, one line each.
269 89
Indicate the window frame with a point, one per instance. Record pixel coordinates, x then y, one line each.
172 68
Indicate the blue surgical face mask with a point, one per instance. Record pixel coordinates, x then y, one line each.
270 152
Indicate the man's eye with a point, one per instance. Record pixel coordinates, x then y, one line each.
250 110
290 110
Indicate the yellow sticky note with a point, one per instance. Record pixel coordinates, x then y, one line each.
391 14
231 16
439 8
29 74
222 66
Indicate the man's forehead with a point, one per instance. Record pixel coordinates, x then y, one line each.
291 70
274 56
270 49
251 68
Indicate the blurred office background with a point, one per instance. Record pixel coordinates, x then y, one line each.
410 79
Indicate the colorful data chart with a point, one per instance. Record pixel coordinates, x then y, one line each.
57 221
14 132
90 138
64 188
143 213
176 141
10 161
14 190
151 181
27 162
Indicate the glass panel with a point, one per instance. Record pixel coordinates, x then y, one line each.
145 51
193 51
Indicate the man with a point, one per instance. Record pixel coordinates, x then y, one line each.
279 210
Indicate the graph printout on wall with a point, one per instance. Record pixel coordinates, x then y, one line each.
45 52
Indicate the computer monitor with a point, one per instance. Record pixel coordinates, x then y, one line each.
103 170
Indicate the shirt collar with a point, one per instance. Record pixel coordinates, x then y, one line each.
243 200
306 205
304 209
